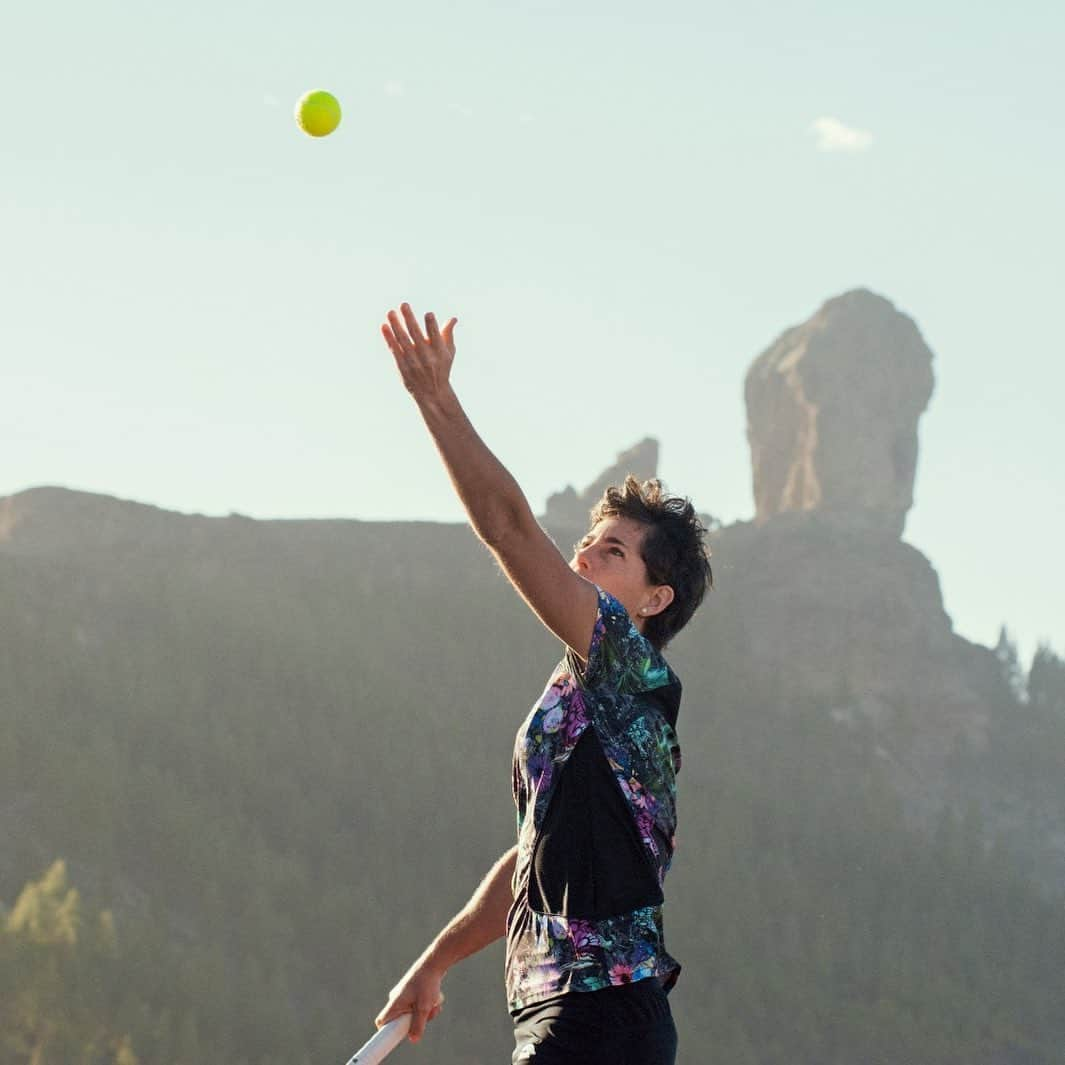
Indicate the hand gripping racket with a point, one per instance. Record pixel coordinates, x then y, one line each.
383 1043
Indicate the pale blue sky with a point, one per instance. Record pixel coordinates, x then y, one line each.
623 204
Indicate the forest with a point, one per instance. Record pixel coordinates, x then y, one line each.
245 777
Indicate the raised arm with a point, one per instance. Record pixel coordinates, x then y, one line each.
480 922
497 509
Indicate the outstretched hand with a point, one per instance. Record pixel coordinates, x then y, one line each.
423 359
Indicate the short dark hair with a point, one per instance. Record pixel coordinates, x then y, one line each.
674 548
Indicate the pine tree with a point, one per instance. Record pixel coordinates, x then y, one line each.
1010 665
1046 683
57 1008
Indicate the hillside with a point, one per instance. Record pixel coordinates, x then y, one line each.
279 754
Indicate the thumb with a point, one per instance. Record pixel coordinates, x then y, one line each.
449 331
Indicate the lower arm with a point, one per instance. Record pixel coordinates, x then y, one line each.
493 500
480 922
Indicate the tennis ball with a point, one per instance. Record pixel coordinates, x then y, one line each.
318 113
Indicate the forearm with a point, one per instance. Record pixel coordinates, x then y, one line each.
480 922
493 500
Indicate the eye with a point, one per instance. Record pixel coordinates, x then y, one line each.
617 551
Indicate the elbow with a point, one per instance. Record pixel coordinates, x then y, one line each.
501 526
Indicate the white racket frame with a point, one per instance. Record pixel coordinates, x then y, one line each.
383 1043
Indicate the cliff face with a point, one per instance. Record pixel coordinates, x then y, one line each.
831 597
832 411
855 621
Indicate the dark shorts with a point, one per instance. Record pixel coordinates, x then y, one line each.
629 1025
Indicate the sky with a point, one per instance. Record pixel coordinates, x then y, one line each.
622 204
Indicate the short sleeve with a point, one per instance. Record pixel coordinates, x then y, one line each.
621 659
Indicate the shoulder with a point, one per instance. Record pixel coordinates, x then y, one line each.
621 657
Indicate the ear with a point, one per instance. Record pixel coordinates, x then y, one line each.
660 599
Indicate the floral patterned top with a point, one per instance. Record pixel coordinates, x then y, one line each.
552 954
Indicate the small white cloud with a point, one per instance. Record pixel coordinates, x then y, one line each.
525 118
271 101
394 88
461 109
834 136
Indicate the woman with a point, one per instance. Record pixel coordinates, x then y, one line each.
579 898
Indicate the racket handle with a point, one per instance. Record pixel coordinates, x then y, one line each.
383 1043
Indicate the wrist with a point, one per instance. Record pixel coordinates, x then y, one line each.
438 958
442 403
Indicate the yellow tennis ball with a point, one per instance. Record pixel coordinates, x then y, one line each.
318 113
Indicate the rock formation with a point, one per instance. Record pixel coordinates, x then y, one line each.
568 509
832 411
854 621
833 603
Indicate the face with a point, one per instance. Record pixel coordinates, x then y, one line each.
609 555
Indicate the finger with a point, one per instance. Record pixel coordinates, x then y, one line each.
431 329
400 333
395 1007
413 327
437 1007
449 332
392 1011
390 340
400 357
419 1021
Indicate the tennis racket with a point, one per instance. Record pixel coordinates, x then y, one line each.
383 1043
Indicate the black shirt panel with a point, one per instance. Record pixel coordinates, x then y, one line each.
668 699
589 860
